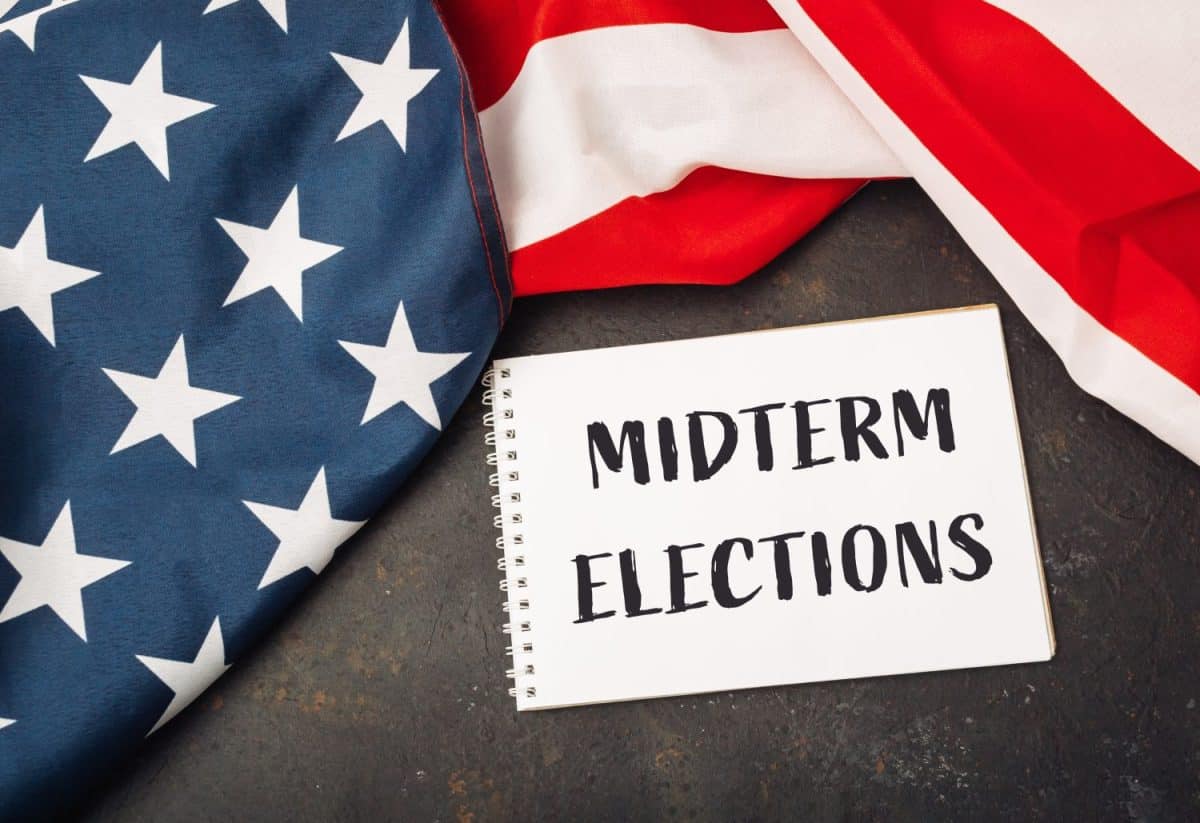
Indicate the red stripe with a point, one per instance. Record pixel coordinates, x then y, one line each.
1103 205
494 36
715 227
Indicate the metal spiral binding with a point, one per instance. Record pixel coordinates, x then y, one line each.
502 437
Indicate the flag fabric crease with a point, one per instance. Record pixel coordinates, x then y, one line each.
1062 143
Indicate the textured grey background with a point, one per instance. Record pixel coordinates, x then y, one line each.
382 696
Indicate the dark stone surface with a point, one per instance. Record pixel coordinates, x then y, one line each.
382 696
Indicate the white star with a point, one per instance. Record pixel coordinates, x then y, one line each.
166 404
28 277
308 535
54 574
24 26
141 113
5 722
278 256
186 679
386 88
276 8
402 373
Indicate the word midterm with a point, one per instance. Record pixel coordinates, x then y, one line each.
859 421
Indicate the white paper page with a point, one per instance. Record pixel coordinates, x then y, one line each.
977 481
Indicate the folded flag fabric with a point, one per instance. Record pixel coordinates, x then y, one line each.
658 141
1063 141
250 264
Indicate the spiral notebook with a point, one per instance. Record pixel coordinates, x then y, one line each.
785 506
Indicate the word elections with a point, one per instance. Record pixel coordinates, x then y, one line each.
859 421
862 554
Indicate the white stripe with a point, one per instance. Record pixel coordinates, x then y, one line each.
1101 362
605 114
1145 54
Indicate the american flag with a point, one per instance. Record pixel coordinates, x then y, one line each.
249 265
251 260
